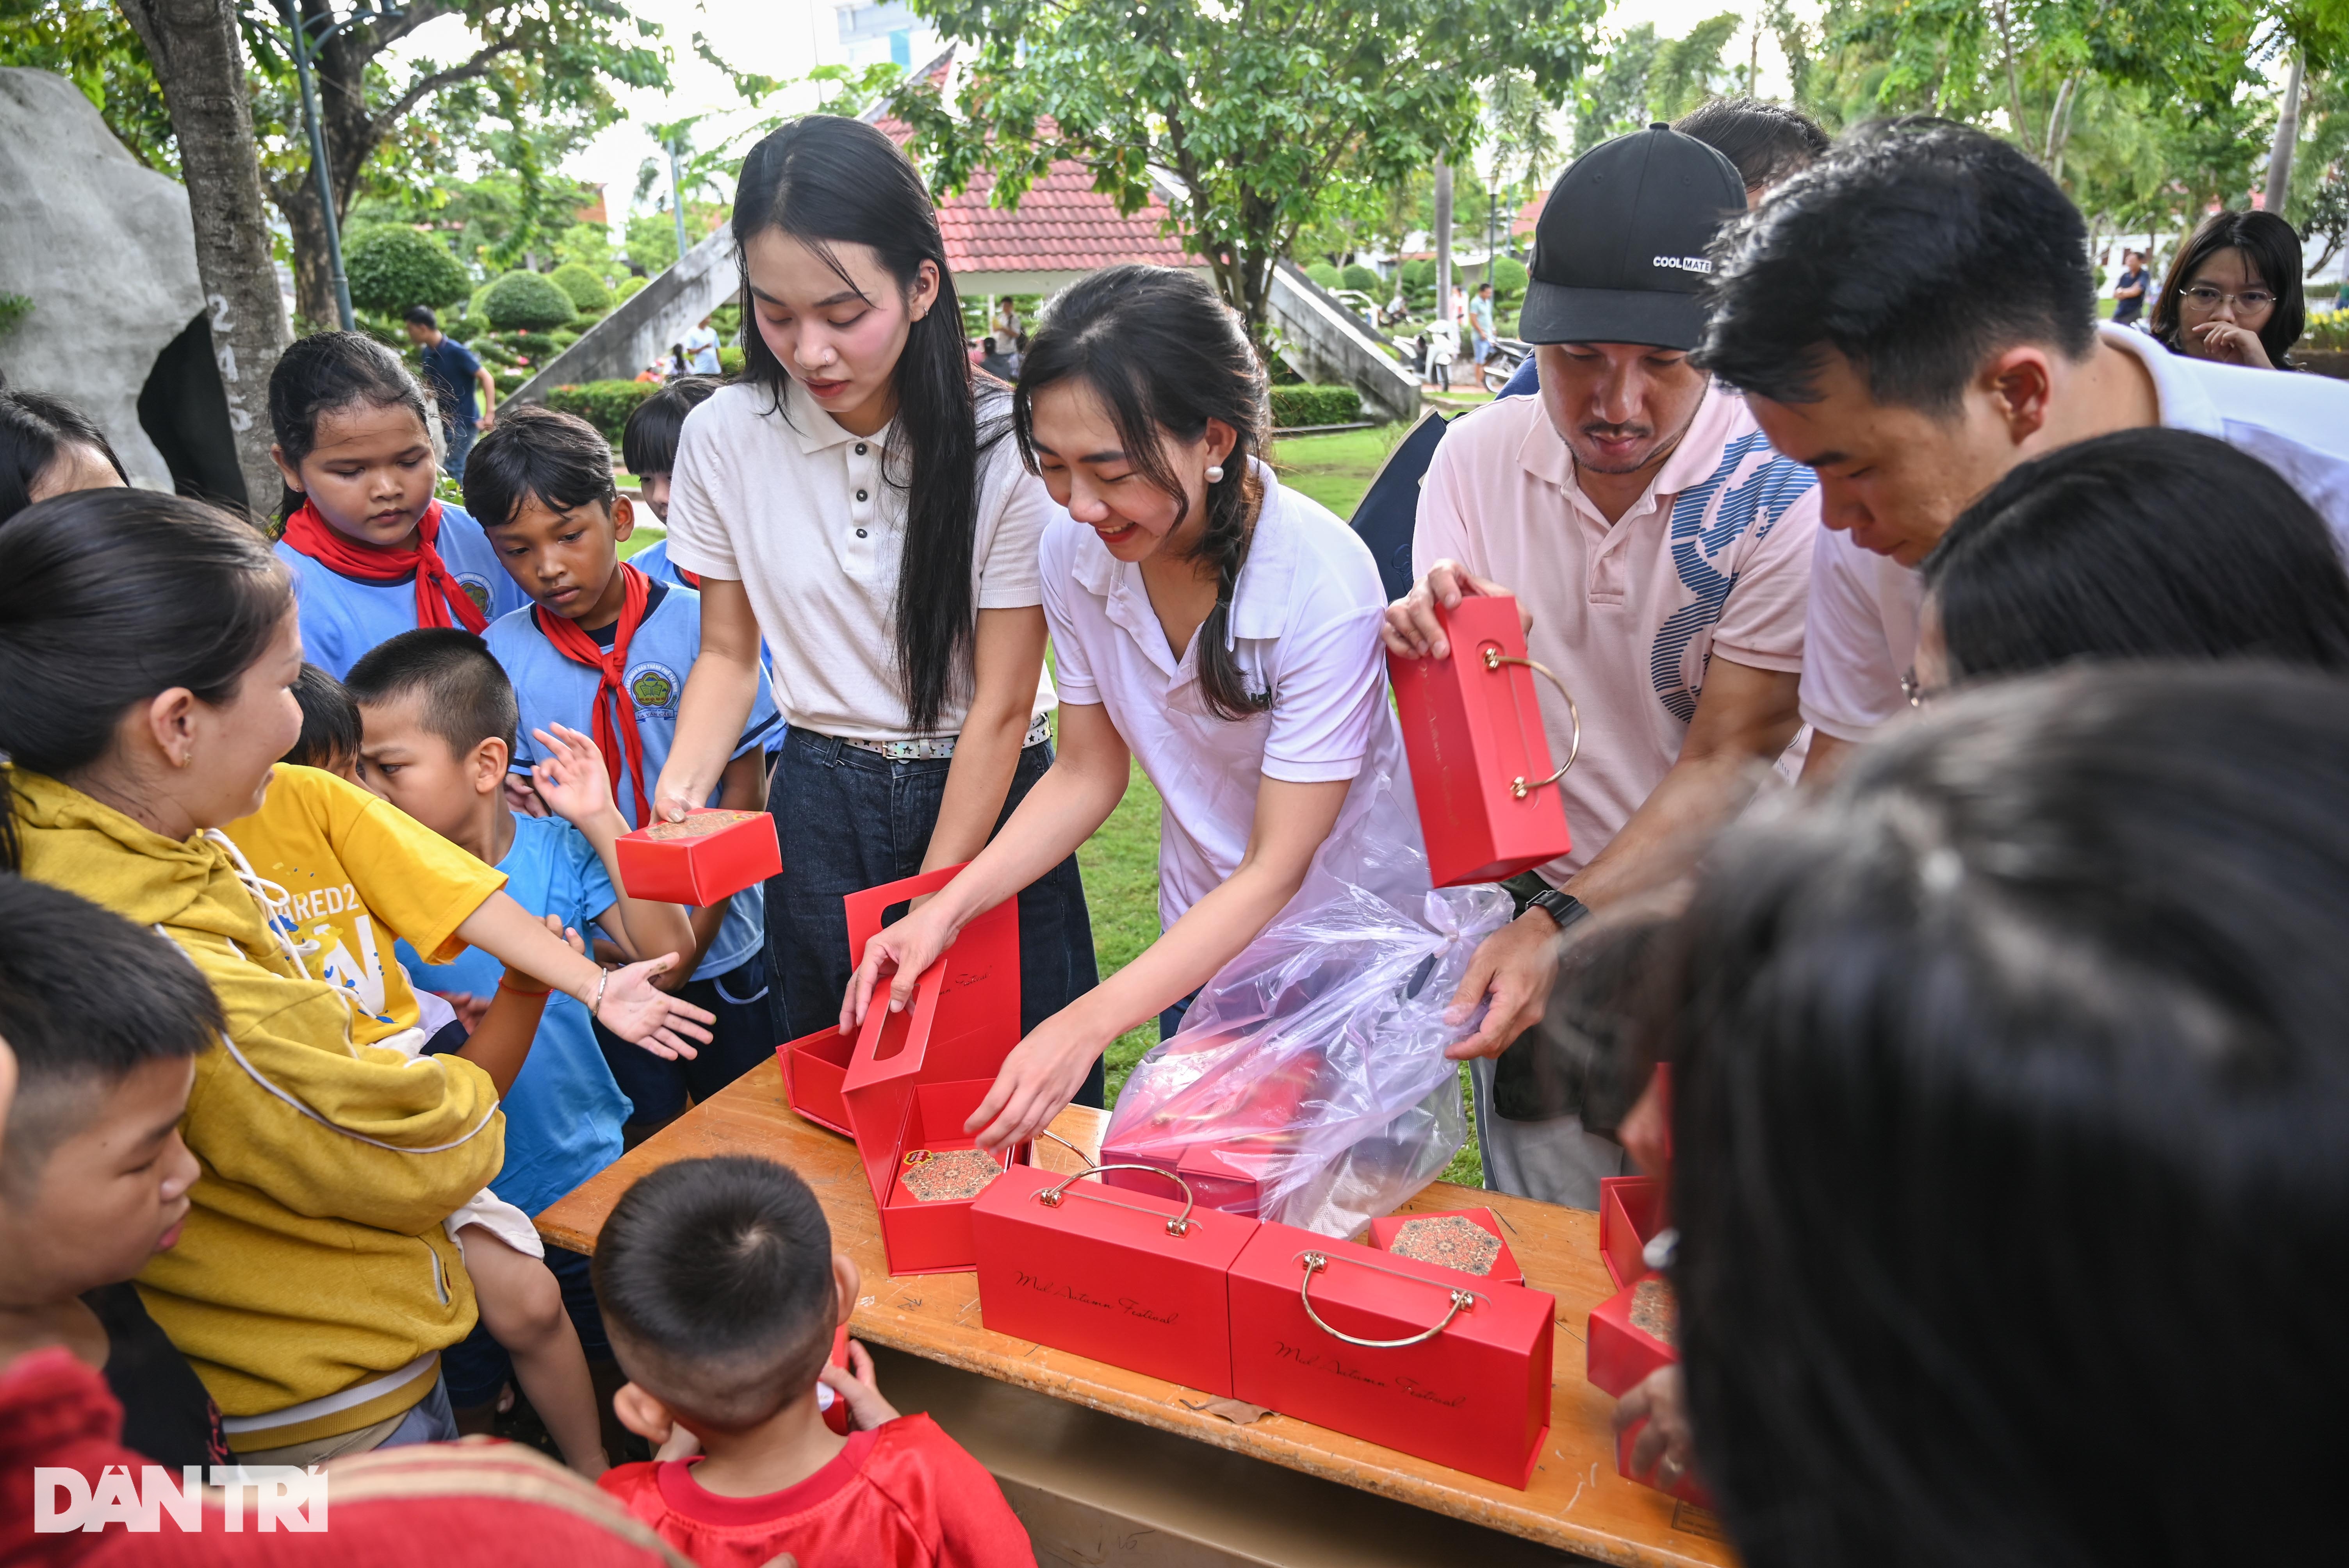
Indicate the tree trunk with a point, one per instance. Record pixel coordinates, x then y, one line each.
2278 195
196 55
295 198
1442 241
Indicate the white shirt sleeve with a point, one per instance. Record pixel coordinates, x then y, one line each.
1329 692
1073 671
1851 684
1007 577
700 491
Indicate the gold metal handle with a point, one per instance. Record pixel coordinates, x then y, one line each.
1519 786
1179 1226
1462 1301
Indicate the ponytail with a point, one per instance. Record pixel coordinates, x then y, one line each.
824 179
1164 356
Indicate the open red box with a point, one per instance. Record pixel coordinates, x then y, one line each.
983 1017
1428 1232
904 1118
1635 1331
1480 764
1134 1279
1426 1360
707 859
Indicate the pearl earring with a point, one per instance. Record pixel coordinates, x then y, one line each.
1214 473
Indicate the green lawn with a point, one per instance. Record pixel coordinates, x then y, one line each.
1121 861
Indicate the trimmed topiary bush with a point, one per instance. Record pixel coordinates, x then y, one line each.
1295 407
587 290
1322 272
526 302
1361 279
392 268
1418 274
1508 277
606 405
628 287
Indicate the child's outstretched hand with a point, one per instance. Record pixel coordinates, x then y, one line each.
642 1014
572 780
855 1384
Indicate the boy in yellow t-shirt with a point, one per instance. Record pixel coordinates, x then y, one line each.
345 875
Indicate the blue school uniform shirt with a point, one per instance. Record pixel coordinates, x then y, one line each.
554 689
653 562
565 1111
342 618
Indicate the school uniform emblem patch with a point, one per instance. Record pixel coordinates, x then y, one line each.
655 688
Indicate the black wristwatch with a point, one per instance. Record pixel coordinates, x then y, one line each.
1561 907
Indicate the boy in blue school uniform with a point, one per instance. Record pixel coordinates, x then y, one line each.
372 553
606 649
439 721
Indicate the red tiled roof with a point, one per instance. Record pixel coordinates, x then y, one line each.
1528 216
1062 225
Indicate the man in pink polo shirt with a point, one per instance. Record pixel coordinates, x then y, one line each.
1662 551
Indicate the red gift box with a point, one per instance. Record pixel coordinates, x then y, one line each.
697 862
1634 1332
1423 1235
1424 1359
908 1125
1480 765
1630 1213
1133 1279
983 1018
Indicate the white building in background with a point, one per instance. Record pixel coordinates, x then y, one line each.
872 31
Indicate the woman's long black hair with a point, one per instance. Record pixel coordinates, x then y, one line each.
109 596
2273 248
827 180
1164 356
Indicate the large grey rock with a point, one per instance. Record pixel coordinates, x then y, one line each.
103 249
643 326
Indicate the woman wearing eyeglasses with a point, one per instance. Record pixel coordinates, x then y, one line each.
2233 294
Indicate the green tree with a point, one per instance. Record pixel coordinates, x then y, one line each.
1613 96
1689 71
1262 111
392 267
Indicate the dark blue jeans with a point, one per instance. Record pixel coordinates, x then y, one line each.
851 820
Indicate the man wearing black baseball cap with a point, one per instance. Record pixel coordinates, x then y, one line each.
1662 551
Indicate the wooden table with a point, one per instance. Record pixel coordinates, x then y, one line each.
1577 1502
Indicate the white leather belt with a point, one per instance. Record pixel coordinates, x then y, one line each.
916 750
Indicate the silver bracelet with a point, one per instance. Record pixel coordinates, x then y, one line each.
603 978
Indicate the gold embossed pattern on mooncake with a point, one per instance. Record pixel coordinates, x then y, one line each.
699 825
1453 1240
1654 1313
950 1176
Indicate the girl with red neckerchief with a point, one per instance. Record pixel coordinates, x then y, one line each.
373 554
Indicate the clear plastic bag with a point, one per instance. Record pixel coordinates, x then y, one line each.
1313 1063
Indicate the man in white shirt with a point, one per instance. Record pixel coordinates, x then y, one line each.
700 347
1912 320
1663 552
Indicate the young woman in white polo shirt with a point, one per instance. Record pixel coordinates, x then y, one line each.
857 495
1219 630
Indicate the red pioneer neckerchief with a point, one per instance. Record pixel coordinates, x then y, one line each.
440 599
615 720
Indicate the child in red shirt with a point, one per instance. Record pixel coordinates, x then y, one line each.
721 1292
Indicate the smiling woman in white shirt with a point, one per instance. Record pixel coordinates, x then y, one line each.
1218 629
856 497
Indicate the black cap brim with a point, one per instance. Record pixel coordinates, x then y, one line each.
1663 318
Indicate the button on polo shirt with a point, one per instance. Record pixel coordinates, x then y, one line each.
804 514
1714 557
1304 626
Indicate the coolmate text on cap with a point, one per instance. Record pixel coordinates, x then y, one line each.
1619 251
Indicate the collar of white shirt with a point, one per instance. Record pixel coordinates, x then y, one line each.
2183 399
1259 599
818 431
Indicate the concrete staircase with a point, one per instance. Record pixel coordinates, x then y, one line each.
1320 339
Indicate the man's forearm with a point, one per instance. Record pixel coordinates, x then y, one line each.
1670 829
